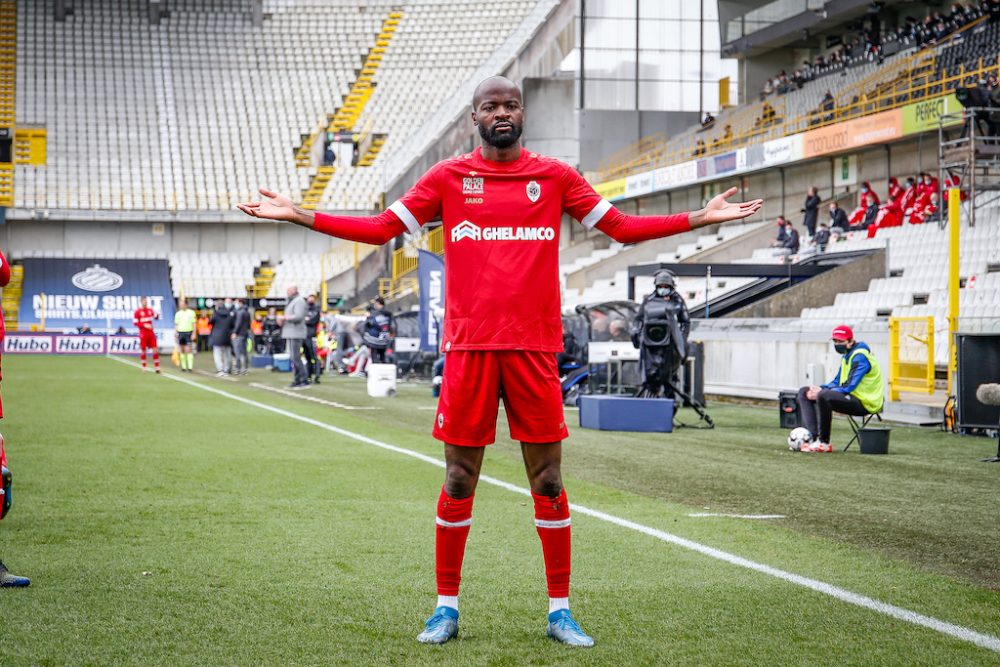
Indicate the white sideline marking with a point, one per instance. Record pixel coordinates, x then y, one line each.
701 515
957 631
314 399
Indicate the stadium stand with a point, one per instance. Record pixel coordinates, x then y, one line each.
210 107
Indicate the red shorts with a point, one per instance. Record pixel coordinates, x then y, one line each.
474 382
147 338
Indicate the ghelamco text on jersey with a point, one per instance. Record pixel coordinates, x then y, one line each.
468 230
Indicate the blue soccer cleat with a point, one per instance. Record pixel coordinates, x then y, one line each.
563 628
8 580
441 627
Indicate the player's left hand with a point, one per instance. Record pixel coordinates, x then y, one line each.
719 210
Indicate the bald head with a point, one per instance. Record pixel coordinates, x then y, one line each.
498 113
495 87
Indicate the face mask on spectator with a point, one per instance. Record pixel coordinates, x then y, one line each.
662 291
841 348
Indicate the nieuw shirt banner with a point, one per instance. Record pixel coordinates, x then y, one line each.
430 269
89 291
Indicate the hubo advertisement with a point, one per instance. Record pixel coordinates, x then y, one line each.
99 293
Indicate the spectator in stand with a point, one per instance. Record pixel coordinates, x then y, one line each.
790 246
890 214
708 121
221 339
313 368
811 210
866 197
828 106
894 190
838 219
779 240
870 213
241 332
727 134
699 148
822 237
293 332
909 195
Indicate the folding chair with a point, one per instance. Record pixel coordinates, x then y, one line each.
852 420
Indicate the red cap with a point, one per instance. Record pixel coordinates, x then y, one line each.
843 332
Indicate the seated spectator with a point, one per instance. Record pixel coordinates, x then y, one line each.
909 195
889 214
870 213
790 245
822 237
856 390
866 197
894 190
828 106
84 329
699 148
838 219
779 240
708 121
727 134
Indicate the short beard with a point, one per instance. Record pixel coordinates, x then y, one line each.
491 138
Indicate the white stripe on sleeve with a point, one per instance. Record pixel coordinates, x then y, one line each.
596 214
399 208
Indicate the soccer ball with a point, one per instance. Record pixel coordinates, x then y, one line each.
798 437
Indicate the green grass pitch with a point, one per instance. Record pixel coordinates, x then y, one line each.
162 524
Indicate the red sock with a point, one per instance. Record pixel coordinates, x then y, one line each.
552 524
156 359
454 517
142 355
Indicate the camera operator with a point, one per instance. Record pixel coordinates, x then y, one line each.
660 332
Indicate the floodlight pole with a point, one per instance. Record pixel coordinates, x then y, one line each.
954 239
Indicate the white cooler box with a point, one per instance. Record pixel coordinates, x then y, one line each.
381 379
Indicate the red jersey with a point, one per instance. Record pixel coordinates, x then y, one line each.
143 318
501 233
4 279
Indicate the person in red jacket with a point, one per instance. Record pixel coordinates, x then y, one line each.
890 214
501 208
143 319
894 190
7 580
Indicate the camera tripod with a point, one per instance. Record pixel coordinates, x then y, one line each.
647 392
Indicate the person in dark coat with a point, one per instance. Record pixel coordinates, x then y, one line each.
241 331
811 210
838 218
221 338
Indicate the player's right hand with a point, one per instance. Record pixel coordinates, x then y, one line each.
274 207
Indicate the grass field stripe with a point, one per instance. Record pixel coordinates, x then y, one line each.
957 631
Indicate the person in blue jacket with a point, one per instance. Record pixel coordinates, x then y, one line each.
856 390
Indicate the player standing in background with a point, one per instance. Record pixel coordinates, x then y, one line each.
7 580
143 319
184 322
501 208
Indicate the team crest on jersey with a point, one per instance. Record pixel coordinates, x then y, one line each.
534 191
472 186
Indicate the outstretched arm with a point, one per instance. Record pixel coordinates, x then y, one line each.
634 228
373 229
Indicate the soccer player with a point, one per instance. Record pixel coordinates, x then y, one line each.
7 580
184 321
143 319
501 208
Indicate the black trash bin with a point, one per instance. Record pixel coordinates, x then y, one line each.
874 440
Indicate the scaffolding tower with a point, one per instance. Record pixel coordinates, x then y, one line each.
973 157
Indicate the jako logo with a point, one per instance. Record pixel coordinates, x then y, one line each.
468 230
97 279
